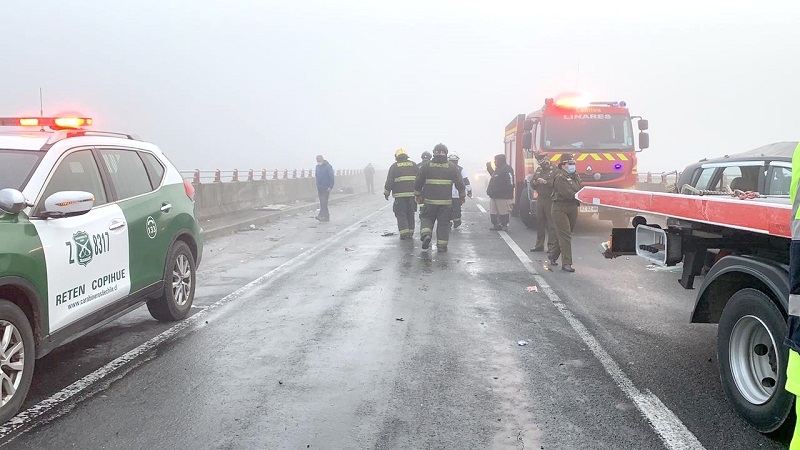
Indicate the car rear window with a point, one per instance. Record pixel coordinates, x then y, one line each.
16 167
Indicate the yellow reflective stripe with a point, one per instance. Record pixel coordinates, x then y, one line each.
404 230
403 194
554 158
442 165
438 181
622 157
439 202
404 164
441 242
609 156
425 230
581 157
405 178
417 193
595 156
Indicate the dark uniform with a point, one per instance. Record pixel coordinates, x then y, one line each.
564 211
400 183
544 203
433 187
453 158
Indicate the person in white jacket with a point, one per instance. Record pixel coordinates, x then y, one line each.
453 158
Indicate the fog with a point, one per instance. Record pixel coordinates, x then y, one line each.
260 84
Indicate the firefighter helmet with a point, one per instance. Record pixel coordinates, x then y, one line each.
440 149
426 156
400 151
452 156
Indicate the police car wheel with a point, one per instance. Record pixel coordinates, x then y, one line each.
17 359
753 358
176 299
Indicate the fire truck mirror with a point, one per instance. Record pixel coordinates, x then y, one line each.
528 125
527 140
644 140
642 124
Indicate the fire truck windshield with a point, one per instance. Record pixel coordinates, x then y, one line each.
587 131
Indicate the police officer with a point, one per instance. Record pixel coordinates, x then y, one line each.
453 158
400 183
542 184
433 188
564 212
793 333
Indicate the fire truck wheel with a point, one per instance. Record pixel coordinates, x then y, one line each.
752 359
528 217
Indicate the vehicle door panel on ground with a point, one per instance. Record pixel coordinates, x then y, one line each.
87 255
142 205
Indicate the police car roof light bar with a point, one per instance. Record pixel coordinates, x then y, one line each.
56 123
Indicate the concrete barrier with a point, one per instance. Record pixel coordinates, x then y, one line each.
216 199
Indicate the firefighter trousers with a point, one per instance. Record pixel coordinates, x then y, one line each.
456 212
564 215
439 214
404 209
544 224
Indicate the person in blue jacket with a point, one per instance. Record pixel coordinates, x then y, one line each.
324 176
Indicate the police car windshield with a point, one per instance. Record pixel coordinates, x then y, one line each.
576 131
15 167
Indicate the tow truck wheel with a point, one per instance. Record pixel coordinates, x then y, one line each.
525 213
752 359
17 359
175 300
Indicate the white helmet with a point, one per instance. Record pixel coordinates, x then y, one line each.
453 156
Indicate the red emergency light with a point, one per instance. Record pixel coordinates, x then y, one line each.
56 123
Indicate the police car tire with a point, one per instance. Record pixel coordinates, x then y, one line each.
752 303
165 308
11 313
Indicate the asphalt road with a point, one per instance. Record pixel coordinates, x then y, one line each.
332 336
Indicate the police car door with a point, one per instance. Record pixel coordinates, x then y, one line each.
86 255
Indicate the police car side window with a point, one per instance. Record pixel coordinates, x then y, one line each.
78 171
127 172
154 168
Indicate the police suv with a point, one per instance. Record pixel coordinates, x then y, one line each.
92 224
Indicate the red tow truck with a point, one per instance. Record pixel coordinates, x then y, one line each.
738 242
598 133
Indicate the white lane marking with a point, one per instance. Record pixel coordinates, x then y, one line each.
34 412
483 210
667 425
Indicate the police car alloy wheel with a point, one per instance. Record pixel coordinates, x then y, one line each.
16 358
179 281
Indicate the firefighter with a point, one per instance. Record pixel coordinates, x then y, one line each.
542 184
793 322
564 212
426 157
400 183
453 158
433 187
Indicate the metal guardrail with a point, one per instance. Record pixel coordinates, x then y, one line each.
198 176
659 178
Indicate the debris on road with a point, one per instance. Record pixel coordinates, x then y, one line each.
522 342
400 319
470 262
388 233
348 249
532 289
376 270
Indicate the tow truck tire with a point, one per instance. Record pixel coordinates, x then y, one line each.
14 323
753 358
525 213
176 299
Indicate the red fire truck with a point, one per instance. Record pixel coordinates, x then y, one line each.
598 134
738 242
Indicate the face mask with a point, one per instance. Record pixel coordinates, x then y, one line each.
319 163
571 168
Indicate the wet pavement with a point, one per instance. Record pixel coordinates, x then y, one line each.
333 336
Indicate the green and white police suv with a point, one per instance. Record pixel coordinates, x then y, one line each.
92 224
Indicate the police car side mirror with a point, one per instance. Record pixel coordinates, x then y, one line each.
68 204
12 201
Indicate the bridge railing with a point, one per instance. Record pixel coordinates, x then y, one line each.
664 178
199 176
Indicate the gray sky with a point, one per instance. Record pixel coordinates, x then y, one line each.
267 84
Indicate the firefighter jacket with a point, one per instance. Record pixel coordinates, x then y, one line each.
793 334
546 172
400 180
565 186
501 185
435 180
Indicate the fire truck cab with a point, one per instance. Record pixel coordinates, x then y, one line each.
600 136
